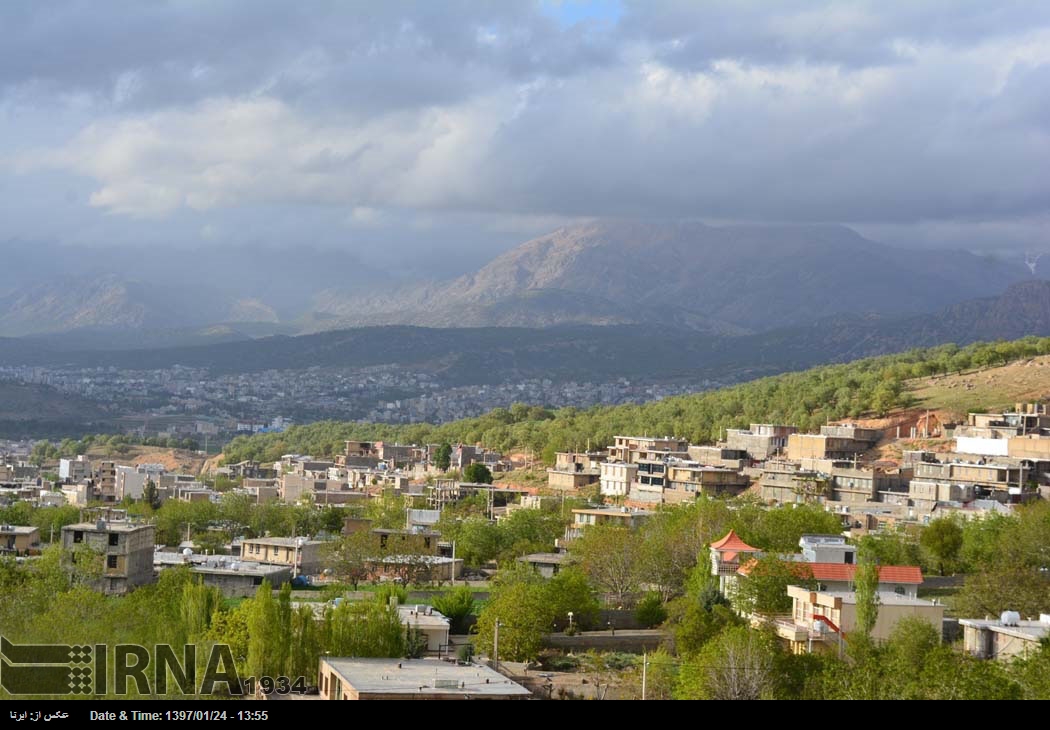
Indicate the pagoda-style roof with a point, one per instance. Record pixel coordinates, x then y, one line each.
732 543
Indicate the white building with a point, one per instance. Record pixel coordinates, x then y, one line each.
616 477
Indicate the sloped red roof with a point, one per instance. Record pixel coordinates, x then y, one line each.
844 573
733 543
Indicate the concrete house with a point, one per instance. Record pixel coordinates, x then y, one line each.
127 549
18 539
1004 638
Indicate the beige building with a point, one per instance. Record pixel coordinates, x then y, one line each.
18 539
127 549
301 554
632 449
820 618
572 479
686 481
413 679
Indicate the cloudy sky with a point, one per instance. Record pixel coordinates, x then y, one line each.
450 130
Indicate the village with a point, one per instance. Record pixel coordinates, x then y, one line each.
423 520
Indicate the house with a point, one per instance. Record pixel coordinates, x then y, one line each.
827 549
236 578
1005 638
547 565
573 478
615 478
901 580
71 471
621 516
18 539
824 446
632 449
821 619
126 546
761 440
727 555
299 553
412 679
687 480
428 622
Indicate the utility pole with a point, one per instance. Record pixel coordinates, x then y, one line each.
495 646
645 666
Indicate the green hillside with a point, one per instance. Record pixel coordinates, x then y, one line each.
807 399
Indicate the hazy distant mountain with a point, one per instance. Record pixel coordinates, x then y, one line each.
578 352
161 292
721 279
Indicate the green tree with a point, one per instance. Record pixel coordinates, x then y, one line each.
611 557
866 582
942 540
350 558
739 664
764 589
457 605
264 634
650 611
477 473
443 456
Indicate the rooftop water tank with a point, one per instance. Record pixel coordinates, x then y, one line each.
1010 618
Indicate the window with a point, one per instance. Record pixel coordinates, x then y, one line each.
114 539
899 590
78 536
849 558
111 561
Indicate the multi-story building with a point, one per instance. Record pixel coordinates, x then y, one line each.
127 549
632 449
303 555
820 619
687 480
761 441
106 481
71 471
616 477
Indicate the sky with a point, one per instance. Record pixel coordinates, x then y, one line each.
431 136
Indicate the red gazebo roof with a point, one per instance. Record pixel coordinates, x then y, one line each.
732 542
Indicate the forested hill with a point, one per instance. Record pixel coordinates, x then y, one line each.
807 399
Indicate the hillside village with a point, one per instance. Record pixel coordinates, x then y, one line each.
563 578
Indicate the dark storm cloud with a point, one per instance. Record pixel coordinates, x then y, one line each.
343 122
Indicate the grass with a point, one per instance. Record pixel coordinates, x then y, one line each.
1022 380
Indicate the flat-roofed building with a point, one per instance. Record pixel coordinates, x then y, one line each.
299 553
761 441
413 679
19 539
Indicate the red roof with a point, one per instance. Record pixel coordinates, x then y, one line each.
732 542
844 573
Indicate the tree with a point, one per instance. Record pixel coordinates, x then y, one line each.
942 539
518 602
350 558
764 589
674 540
477 473
866 582
611 558
265 634
457 605
650 611
443 456
150 495
739 664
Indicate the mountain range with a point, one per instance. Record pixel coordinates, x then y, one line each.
464 356
717 280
